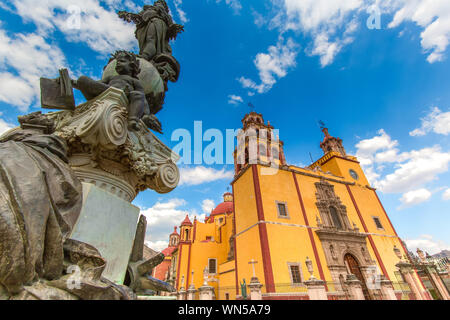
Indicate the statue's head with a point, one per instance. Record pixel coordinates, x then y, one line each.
126 63
162 3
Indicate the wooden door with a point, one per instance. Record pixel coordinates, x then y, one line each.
353 266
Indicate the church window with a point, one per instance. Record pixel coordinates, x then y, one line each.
378 223
282 210
335 217
294 270
186 232
353 174
212 266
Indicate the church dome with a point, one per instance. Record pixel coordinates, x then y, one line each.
226 206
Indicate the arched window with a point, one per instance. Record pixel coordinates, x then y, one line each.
187 234
335 217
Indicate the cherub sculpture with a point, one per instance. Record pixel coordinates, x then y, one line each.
127 68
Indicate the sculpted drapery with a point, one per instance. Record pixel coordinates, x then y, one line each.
40 201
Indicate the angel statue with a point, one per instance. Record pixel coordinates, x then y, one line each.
154 29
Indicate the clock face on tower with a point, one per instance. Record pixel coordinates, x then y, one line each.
354 174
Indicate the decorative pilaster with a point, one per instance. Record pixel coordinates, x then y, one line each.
406 270
316 289
182 292
387 289
354 287
206 292
255 289
191 290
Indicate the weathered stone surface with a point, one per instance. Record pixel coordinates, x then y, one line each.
40 200
104 152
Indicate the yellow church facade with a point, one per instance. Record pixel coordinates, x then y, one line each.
285 225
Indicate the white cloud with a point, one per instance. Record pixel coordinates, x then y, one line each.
25 58
157 245
393 171
427 244
199 175
162 217
100 28
273 65
208 205
234 99
436 121
415 197
422 166
182 14
433 16
5 126
332 25
446 195
233 4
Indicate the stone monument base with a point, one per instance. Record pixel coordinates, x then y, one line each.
109 224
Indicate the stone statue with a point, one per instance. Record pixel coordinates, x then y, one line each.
61 168
154 29
243 289
40 201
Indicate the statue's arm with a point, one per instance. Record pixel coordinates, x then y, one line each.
138 86
107 80
174 30
130 17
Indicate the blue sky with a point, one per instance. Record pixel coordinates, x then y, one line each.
384 91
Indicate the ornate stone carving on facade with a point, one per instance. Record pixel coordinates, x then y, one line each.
339 237
102 151
331 143
326 200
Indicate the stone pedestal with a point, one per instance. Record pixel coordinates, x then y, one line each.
434 277
181 294
191 293
316 289
387 289
109 224
255 289
206 293
407 271
354 288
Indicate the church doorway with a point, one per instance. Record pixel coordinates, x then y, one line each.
354 268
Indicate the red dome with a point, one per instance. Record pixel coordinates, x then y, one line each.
168 251
224 207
